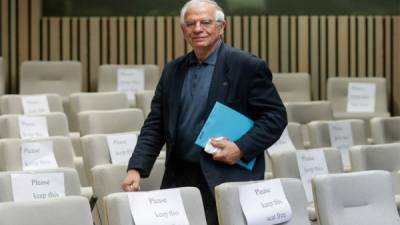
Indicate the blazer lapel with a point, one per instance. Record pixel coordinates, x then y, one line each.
220 81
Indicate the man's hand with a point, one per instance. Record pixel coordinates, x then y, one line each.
230 152
131 181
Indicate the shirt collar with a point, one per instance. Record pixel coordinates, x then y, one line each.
211 59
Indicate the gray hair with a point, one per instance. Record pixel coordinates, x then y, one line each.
219 14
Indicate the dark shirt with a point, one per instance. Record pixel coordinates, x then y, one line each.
193 104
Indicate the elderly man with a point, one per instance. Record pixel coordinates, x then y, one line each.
187 91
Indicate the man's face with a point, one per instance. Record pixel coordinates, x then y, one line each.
200 28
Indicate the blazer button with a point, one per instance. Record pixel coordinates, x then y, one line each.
225 84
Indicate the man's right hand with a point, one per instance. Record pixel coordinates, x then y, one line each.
131 181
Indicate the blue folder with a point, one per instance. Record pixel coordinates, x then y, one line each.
225 122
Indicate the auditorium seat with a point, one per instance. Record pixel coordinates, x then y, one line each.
320 137
71 182
355 198
119 213
293 87
72 210
337 94
285 165
11 157
107 179
305 112
108 77
378 157
111 121
385 129
230 211
143 101
12 104
80 102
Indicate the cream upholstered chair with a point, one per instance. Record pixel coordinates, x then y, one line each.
10 152
60 77
110 121
108 77
107 179
143 101
71 182
118 212
80 102
319 132
305 112
355 198
230 211
71 210
12 104
293 87
385 129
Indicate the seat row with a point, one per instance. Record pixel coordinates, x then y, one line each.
341 199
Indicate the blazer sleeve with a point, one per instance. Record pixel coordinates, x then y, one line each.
151 137
266 108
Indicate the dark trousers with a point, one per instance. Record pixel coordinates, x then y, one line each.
190 174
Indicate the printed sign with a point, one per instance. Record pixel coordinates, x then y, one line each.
264 203
38 155
36 104
361 97
31 127
121 147
341 137
283 144
311 163
130 81
37 186
162 207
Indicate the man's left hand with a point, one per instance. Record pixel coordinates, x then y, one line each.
230 152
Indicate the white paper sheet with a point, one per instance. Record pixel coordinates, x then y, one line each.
311 163
38 155
162 207
361 97
130 81
37 186
31 127
121 147
264 203
283 144
35 104
341 137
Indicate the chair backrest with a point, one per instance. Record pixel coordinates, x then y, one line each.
385 129
319 133
111 121
143 101
337 92
296 135
284 164
230 211
108 178
70 210
3 80
355 198
118 211
10 152
293 87
80 102
305 112
96 151
60 77
12 104
71 182
107 80
57 125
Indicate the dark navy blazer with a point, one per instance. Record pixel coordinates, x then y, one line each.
240 81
